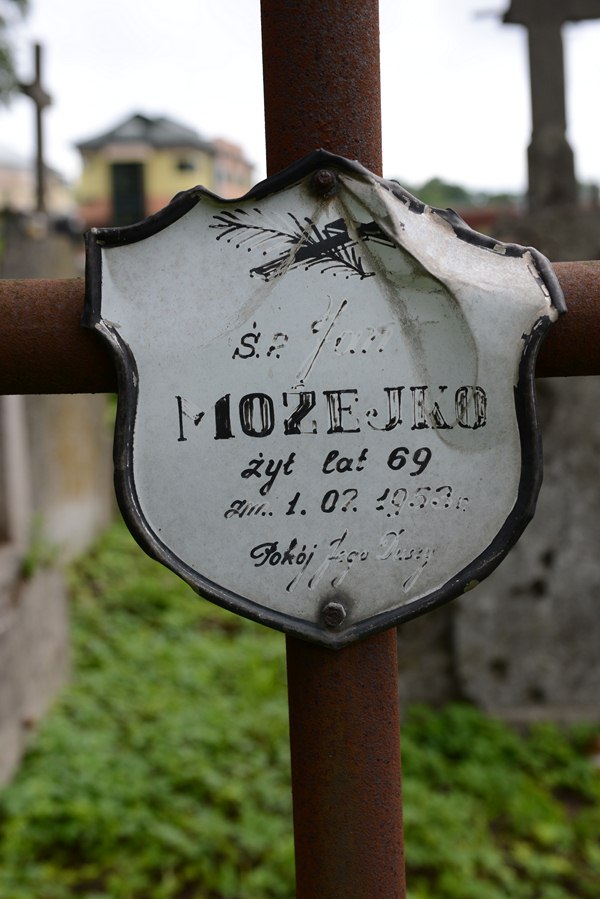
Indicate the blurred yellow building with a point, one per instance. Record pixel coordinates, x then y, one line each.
136 168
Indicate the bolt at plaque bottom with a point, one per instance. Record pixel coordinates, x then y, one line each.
333 614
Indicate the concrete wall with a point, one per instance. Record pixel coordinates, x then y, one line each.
34 659
55 496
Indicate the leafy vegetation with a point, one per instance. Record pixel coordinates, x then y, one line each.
40 553
164 765
442 194
491 815
162 773
8 78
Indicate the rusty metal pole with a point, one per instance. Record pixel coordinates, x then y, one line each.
43 348
572 347
321 82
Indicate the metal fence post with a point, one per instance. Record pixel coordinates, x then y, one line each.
321 82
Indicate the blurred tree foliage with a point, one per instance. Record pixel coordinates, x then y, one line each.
10 10
441 194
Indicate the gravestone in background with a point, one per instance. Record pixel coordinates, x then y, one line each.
525 644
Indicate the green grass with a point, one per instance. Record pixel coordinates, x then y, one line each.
491 815
163 772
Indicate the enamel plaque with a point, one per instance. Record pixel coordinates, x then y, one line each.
326 413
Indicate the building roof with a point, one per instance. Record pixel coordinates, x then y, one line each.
154 131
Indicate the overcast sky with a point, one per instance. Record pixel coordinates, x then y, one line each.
454 83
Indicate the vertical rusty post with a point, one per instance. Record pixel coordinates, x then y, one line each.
321 83
321 80
344 738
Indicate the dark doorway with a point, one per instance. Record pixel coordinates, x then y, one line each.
128 193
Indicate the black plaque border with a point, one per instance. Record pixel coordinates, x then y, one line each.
531 449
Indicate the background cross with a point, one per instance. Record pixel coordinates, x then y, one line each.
552 179
41 99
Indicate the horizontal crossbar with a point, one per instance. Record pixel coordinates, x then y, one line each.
44 349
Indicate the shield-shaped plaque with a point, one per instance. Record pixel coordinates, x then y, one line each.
326 400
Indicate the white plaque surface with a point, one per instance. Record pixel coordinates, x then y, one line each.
326 409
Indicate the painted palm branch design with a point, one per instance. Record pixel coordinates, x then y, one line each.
298 243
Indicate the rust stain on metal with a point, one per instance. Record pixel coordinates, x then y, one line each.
321 80
344 734
44 348
322 90
573 344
